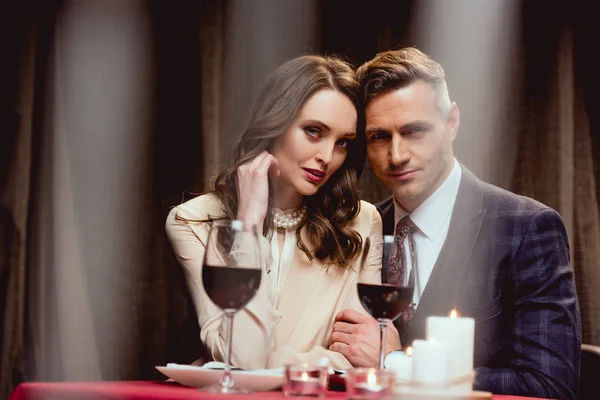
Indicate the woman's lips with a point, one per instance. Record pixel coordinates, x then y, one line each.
314 175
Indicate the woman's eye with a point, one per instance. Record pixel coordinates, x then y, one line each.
344 143
312 131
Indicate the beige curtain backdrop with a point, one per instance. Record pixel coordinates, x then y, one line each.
555 160
87 242
115 122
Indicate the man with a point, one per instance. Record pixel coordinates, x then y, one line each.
500 258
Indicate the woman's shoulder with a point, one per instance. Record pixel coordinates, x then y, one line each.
367 216
365 206
367 209
199 208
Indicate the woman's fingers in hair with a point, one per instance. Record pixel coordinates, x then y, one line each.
253 189
253 164
270 164
263 163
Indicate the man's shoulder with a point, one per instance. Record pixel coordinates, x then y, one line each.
384 205
503 202
496 200
515 214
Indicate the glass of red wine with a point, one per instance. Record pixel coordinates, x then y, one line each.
231 275
385 301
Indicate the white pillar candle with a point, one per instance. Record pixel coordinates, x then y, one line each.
458 333
429 361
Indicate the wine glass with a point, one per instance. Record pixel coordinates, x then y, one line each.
231 274
384 301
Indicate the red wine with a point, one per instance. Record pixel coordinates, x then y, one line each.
385 300
230 288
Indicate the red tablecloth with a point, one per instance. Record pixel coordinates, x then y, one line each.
141 390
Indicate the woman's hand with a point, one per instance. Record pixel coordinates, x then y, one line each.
253 189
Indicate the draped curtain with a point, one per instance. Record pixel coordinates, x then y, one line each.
113 112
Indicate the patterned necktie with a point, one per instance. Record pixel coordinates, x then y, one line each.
398 259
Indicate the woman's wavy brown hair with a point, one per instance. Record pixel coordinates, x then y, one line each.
336 204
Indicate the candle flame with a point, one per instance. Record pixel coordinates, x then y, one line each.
304 376
371 378
454 313
409 351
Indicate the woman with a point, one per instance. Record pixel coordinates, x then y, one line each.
301 152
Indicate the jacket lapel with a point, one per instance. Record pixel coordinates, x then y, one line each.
447 276
386 209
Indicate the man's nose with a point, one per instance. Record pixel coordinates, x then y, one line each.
399 151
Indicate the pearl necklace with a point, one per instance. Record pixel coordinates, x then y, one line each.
288 219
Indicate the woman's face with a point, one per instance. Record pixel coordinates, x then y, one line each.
316 144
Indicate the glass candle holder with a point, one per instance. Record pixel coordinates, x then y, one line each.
370 383
305 380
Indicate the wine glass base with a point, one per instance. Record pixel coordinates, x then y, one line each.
224 389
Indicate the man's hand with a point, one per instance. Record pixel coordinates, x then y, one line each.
356 337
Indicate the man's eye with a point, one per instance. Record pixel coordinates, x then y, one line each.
414 131
378 136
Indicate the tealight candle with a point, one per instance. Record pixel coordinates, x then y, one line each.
305 385
369 383
458 333
370 386
305 380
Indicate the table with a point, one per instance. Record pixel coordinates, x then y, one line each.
134 390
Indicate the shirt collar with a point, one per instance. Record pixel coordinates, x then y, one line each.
430 215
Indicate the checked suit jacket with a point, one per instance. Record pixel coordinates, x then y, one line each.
505 263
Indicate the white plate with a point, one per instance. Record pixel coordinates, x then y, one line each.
258 380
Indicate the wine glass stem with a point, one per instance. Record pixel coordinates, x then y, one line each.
382 326
227 381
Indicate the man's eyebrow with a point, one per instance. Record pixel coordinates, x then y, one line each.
416 124
375 129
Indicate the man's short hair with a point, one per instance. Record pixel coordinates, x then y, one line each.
395 69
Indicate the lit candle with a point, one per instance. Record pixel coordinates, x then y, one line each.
305 385
429 361
369 383
458 333
369 389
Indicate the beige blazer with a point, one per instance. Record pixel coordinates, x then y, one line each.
298 330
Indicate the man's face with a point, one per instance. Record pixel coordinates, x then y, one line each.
409 142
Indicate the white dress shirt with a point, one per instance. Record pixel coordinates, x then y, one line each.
432 218
280 262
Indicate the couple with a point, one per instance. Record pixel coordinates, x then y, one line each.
500 258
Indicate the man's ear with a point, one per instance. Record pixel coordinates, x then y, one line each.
453 121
